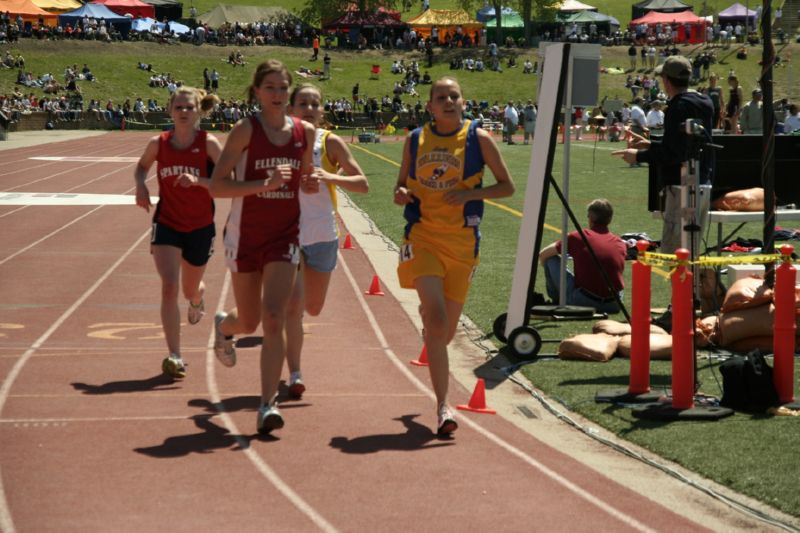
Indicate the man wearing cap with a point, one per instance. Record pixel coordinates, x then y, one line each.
750 118
668 155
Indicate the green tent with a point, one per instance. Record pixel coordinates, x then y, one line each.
513 25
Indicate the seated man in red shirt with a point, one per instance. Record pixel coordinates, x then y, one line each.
587 287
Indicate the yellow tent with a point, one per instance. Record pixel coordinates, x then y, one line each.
58 6
445 21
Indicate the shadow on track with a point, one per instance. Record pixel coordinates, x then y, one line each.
212 437
158 382
416 437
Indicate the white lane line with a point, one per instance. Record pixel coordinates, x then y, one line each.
34 243
68 198
593 499
260 464
90 419
6 522
67 171
22 250
85 159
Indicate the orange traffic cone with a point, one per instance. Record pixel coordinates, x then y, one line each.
423 357
375 287
348 243
477 403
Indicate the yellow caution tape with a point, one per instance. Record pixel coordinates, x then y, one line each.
656 259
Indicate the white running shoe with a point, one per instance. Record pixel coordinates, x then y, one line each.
447 421
268 418
196 312
173 366
296 385
223 345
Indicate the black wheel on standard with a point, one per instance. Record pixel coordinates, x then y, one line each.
525 342
499 328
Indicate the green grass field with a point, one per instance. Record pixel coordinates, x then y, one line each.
748 453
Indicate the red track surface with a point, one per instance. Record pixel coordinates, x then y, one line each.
92 437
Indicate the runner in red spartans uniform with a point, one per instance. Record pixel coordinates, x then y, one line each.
183 222
272 156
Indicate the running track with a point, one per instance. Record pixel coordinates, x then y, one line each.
93 438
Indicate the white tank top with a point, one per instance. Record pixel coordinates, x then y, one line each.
318 210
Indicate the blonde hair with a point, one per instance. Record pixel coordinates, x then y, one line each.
203 101
262 70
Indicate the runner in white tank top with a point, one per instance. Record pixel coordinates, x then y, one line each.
334 166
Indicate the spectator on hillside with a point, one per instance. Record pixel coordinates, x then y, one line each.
214 81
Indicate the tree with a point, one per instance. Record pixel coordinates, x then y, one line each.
323 10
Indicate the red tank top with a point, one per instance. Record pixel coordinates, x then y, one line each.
268 217
183 208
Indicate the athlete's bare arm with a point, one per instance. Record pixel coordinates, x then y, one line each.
351 177
491 155
222 183
140 173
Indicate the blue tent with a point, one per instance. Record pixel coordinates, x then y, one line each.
142 24
96 11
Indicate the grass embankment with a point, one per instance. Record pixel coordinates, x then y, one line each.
118 78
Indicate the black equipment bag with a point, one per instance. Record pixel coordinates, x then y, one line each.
747 383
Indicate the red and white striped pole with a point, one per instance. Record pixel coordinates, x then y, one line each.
784 327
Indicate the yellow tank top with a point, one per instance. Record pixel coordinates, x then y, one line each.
441 163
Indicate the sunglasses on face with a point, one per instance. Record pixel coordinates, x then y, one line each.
184 108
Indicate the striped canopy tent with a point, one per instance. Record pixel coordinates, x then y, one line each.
29 11
445 20
58 6
136 8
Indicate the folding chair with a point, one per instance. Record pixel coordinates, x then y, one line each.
375 72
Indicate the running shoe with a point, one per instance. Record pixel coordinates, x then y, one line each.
268 418
196 312
296 385
174 366
447 421
223 344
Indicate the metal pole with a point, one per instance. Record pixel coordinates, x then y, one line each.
768 143
562 294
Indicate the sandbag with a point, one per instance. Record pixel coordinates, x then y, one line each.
613 327
660 346
589 347
763 344
745 323
743 200
746 292
706 330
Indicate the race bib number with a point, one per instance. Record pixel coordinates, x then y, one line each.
406 252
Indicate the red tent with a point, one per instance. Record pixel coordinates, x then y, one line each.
135 7
680 21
